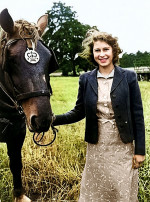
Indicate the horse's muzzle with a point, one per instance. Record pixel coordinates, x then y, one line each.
40 124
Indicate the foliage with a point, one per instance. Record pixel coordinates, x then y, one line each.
65 35
5 176
135 60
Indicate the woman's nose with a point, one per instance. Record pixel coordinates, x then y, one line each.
101 54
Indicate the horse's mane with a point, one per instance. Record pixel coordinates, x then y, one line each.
23 29
26 28
2 33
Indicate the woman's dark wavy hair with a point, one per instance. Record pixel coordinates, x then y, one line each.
93 36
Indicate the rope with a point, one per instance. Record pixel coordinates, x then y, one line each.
36 135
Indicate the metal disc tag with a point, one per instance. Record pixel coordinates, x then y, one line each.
32 56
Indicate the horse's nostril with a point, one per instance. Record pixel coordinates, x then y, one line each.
33 121
40 123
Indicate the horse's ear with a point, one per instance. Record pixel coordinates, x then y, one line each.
42 23
6 21
53 62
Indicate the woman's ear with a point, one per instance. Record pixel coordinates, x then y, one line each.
42 23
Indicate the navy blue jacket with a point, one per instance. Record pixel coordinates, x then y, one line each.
126 102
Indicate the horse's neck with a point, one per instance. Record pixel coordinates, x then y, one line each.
7 107
5 84
4 80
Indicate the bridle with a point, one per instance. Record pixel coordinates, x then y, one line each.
20 110
21 96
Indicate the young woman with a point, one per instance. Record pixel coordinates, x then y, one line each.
110 100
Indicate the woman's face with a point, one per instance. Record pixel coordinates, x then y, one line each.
103 54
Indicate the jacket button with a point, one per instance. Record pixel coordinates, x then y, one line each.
114 96
126 121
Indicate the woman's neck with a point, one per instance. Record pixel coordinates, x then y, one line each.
106 71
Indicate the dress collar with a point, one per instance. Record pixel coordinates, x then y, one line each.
111 75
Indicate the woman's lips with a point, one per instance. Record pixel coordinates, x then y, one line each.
103 60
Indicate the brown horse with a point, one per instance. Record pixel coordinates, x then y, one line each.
25 65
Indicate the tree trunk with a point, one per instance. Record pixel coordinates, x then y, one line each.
74 69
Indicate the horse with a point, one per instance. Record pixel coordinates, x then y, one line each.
25 67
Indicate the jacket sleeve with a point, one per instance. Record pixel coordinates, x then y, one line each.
137 115
76 114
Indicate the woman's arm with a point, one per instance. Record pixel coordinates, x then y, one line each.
137 114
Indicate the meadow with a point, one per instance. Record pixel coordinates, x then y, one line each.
53 173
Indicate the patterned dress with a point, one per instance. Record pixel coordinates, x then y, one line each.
108 175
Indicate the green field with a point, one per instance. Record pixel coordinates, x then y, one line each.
53 173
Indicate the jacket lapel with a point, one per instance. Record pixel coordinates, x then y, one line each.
118 76
93 80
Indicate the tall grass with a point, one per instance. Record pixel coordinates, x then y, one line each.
53 173
144 172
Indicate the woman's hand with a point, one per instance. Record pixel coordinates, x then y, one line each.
138 161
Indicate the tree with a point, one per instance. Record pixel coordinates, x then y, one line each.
135 60
65 35
142 59
127 60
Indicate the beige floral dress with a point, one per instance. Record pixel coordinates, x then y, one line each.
108 175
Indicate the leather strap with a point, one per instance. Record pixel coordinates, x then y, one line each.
28 95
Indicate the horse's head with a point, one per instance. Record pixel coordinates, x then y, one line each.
28 63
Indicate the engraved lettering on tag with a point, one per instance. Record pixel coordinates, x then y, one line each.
32 56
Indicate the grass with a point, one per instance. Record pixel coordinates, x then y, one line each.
53 173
